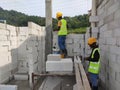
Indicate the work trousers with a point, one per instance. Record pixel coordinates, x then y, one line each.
61 42
93 79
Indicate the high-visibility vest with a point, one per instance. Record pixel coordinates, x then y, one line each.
94 67
63 28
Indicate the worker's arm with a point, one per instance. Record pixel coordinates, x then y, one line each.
96 57
59 25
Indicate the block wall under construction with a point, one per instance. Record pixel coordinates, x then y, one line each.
107 31
14 44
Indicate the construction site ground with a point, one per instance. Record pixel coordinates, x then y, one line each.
24 84
67 83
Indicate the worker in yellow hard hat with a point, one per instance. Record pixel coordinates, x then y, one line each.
62 33
94 63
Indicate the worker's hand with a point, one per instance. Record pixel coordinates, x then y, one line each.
81 57
86 58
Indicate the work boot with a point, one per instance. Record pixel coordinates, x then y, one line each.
62 54
65 52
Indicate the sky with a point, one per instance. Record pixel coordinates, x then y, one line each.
37 7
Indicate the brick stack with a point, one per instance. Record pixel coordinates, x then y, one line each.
55 64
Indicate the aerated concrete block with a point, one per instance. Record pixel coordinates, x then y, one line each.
8 87
76 47
4 32
62 65
69 41
20 76
54 57
94 19
3 37
2 26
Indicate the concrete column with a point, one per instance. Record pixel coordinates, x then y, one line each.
31 67
93 12
48 40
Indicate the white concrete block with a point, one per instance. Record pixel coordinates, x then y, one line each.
4 49
76 47
113 8
34 26
111 41
117 32
70 49
2 26
13 32
8 87
69 41
3 37
22 66
94 19
4 43
108 33
76 40
10 27
115 49
13 38
21 76
63 65
4 32
54 57
95 30
23 31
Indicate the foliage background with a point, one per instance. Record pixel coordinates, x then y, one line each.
76 24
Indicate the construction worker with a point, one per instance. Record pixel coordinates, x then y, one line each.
62 32
94 63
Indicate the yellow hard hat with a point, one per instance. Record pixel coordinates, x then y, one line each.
58 14
91 40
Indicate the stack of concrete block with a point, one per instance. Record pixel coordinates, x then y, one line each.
8 87
55 64
54 57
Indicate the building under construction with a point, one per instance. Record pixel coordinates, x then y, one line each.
27 62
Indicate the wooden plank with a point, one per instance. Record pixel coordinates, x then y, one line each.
43 84
77 73
84 77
